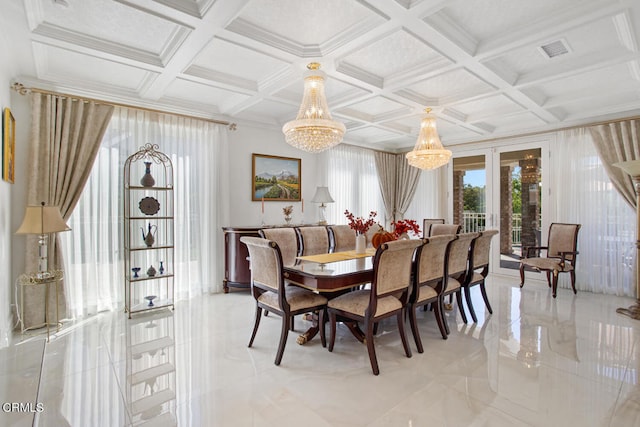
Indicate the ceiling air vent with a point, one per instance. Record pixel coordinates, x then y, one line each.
553 49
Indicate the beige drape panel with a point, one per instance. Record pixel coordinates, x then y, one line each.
65 137
386 166
406 184
398 183
618 142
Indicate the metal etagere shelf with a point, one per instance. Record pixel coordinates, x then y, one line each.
148 231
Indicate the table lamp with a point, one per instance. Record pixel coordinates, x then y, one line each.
42 220
322 196
632 168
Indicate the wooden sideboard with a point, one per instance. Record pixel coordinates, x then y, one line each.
236 254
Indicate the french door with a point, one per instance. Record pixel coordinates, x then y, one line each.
502 187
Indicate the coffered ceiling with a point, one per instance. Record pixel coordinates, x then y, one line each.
483 66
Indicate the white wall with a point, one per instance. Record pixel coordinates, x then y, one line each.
6 230
244 212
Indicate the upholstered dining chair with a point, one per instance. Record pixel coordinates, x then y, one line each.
457 270
270 292
313 240
427 223
287 241
478 269
561 255
370 232
343 238
429 275
392 266
442 229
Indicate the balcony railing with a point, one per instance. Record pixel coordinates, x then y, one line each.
476 221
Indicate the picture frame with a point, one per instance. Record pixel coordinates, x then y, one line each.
8 146
275 178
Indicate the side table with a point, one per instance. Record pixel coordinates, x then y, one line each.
47 279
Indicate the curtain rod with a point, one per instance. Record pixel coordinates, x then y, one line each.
23 90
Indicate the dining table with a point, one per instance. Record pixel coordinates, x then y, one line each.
331 275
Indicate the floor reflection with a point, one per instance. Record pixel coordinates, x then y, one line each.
150 389
542 328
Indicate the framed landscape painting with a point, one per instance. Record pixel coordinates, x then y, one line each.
275 178
8 146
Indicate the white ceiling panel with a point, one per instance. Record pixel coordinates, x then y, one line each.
487 107
450 86
392 54
53 65
109 21
305 26
247 63
566 90
270 111
490 18
594 39
524 120
221 99
372 133
371 108
476 63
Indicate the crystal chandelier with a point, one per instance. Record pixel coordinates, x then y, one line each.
428 152
313 130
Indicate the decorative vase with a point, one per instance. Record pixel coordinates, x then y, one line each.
135 272
161 269
361 244
151 271
149 240
147 180
287 218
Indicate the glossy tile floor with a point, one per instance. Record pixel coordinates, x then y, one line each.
535 362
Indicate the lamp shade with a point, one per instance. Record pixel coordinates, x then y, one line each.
322 196
42 220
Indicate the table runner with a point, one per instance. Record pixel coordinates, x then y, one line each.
337 256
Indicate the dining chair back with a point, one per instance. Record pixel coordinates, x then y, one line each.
457 269
427 223
313 240
287 241
270 293
429 273
479 256
388 295
441 229
343 238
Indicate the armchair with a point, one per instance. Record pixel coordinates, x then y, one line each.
561 254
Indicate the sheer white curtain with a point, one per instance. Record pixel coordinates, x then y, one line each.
429 200
351 175
198 151
583 194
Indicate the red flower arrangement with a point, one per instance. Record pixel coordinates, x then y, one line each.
359 224
405 226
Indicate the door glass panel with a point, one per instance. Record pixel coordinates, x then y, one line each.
470 193
520 204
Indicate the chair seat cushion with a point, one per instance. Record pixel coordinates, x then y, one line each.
452 284
356 302
546 264
298 298
476 278
426 293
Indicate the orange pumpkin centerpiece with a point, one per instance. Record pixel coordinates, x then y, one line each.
382 236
